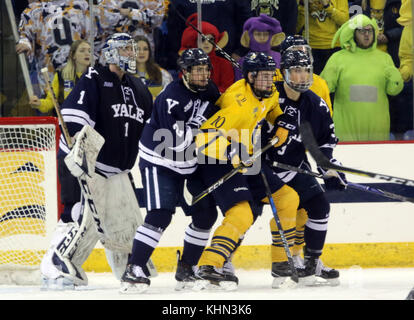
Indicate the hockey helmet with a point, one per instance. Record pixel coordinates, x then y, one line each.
253 63
257 61
111 53
296 42
294 62
191 58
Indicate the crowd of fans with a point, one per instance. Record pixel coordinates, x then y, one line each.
371 100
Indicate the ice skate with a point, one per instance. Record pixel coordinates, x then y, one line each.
209 277
134 280
185 274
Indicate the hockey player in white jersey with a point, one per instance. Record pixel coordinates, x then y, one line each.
116 105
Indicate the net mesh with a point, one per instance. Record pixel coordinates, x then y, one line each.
27 166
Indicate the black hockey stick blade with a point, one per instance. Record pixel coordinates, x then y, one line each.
309 141
352 185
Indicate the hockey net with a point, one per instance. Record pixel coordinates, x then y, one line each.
28 196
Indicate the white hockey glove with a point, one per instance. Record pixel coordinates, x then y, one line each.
81 159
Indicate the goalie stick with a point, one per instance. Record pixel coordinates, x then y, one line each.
352 185
242 165
309 141
295 276
91 208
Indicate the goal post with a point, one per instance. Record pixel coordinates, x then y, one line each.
29 197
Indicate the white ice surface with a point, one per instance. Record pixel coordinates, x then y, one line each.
356 284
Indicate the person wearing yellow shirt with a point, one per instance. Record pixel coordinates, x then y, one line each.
406 67
325 18
64 80
227 138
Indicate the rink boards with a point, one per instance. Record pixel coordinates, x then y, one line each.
364 230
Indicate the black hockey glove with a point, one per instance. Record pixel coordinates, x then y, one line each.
335 180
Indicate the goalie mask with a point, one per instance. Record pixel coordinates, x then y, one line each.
120 49
262 68
297 70
196 68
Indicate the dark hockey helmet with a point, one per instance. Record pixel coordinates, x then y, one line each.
195 81
297 70
253 63
296 42
257 61
193 57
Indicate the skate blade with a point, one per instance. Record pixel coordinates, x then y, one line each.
321 282
133 288
310 281
200 285
214 285
283 283
184 285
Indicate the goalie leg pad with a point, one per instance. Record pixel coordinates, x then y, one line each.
58 272
120 218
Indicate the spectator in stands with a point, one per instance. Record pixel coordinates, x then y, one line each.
222 72
226 15
406 67
361 77
151 74
47 30
325 18
286 12
143 17
261 34
64 80
386 13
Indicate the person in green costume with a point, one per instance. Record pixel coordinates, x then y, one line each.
361 76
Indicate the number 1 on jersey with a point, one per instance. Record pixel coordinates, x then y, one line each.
126 129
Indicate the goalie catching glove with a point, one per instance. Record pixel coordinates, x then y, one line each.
334 180
82 157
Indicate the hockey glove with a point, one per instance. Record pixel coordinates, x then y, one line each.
334 180
237 154
285 126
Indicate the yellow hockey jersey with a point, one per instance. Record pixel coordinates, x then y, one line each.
239 119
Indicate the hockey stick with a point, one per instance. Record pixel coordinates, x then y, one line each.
294 276
91 208
224 53
352 185
242 165
310 143
22 57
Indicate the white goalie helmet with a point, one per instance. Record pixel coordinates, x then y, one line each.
111 54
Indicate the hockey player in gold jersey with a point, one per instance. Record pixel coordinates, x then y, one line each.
228 138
